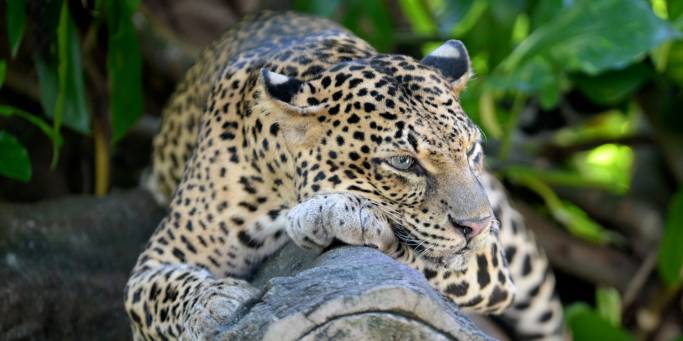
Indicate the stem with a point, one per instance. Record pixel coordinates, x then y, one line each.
511 124
101 157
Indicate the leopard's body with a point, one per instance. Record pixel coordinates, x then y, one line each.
291 126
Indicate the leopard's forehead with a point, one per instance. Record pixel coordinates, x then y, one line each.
394 99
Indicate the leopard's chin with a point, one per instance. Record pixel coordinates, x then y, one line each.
454 260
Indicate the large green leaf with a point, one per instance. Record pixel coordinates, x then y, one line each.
670 251
16 22
124 65
590 36
61 75
614 86
14 160
586 324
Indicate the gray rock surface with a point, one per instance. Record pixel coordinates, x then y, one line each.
63 265
348 293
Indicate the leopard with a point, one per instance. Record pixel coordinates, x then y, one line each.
291 128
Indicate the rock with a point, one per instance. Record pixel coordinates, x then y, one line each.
348 293
64 263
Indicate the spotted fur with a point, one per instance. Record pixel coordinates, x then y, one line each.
291 126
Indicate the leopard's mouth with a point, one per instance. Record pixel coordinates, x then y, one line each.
452 259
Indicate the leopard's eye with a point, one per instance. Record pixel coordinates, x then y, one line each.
471 149
401 162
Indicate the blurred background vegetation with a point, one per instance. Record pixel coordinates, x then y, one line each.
580 101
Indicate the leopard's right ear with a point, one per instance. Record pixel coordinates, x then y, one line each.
287 93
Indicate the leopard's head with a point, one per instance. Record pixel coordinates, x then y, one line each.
390 130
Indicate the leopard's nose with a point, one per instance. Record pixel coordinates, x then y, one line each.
471 227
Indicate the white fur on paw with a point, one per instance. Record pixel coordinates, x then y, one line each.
215 307
316 222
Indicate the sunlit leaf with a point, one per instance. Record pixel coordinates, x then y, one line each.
611 124
569 215
609 164
670 262
586 324
418 15
14 160
520 30
16 22
581 225
588 36
124 66
608 305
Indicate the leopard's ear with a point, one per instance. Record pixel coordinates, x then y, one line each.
289 100
453 61
288 93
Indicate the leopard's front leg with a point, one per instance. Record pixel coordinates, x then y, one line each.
318 221
182 301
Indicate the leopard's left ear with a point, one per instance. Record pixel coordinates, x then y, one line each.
453 61
288 93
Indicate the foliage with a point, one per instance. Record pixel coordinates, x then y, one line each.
124 65
603 322
671 252
60 69
587 63
14 162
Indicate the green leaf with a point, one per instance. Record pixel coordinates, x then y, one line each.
572 217
49 85
588 36
537 76
14 160
530 78
674 66
581 225
452 13
586 324
608 164
418 16
613 87
8 111
608 305
70 74
370 20
325 8
670 260
3 72
545 10
124 66
16 22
